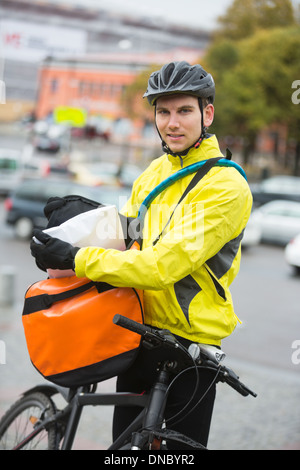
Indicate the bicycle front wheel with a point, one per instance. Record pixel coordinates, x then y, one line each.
18 425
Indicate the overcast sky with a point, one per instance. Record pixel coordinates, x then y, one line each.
190 12
200 13
195 13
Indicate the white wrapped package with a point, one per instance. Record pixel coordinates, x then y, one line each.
99 227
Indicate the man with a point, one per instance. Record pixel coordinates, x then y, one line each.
186 273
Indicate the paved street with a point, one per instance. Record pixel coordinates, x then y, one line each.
266 296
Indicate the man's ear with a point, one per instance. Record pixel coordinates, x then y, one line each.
208 115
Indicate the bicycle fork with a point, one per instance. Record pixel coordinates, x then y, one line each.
155 410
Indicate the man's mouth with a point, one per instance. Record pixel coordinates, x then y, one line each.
175 136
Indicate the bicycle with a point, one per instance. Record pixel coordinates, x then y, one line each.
34 421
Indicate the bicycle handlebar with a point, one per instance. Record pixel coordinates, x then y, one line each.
230 377
152 335
165 336
131 325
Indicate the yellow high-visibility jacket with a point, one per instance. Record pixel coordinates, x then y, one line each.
186 275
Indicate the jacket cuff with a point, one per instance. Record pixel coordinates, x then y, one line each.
78 264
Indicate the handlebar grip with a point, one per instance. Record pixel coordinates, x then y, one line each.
238 387
233 380
243 390
130 325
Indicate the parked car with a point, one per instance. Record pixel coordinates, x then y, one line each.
10 169
25 206
50 138
277 221
96 174
292 253
252 234
276 187
14 167
43 167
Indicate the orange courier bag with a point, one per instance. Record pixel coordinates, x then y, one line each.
68 321
69 329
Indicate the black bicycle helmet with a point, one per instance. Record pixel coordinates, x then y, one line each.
180 77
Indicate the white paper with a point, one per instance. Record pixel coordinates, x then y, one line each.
99 227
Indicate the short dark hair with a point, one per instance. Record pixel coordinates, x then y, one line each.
206 102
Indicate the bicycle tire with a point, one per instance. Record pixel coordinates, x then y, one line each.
19 421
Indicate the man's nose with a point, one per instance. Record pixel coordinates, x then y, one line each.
173 121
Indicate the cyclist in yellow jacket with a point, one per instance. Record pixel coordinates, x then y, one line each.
186 273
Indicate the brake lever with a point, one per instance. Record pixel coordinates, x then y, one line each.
160 337
230 377
150 341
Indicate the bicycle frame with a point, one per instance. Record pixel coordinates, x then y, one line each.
152 405
147 427
82 399
73 411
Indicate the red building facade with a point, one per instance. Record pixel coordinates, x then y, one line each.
95 84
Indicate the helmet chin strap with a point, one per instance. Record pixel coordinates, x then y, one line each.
195 145
183 153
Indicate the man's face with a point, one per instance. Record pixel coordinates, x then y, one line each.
178 119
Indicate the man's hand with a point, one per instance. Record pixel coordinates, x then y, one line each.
52 252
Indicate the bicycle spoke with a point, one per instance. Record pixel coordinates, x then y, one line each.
21 427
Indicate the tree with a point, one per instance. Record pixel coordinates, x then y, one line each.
245 17
255 89
132 102
280 71
240 102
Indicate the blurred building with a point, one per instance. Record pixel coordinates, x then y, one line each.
35 32
95 83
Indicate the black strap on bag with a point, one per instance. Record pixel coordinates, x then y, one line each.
45 301
195 180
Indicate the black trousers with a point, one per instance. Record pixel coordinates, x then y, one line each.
140 377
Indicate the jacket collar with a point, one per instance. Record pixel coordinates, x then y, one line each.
209 148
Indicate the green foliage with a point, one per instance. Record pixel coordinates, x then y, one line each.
254 87
132 101
245 17
254 58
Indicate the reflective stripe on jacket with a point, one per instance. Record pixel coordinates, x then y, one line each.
186 275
